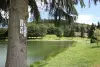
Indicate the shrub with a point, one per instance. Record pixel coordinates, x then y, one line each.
36 30
91 31
97 35
3 32
43 30
32 30
67 31
59 32
72 32
93 39
51 29
82 32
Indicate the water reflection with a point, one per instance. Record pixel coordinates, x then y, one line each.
37 50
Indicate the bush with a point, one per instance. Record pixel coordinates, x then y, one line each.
59 32
82 32
67 32
97 35
93 39
72 33
43 30
91 31
3 32
32 30
51 29
35 30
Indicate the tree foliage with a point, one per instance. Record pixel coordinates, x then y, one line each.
35 30
3 33
82 31
51 29
91 30
66 31
59 32
72 32
98 26
97 35
57 8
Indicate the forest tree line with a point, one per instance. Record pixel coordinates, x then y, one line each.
40 29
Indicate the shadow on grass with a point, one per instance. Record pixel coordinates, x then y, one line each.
95 47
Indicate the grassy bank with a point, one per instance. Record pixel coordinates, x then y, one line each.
50 37
83 54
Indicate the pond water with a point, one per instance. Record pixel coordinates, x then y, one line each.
37 50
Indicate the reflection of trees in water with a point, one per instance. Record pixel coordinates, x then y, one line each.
3 36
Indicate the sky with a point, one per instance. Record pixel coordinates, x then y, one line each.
87 15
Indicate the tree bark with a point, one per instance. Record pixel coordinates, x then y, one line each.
17 38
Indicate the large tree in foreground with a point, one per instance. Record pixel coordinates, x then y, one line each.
17 30
16 52
17 25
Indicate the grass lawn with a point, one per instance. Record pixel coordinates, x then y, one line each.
83 54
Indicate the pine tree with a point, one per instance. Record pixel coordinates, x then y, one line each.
82 31
91 31
98 26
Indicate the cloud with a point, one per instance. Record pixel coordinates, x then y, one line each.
98 18
87 19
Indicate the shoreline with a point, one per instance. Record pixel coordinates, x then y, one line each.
51 40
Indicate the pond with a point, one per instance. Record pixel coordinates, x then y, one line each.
37 50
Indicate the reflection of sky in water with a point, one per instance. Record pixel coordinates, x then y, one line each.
2 55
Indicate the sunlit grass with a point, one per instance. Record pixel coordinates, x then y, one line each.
83 54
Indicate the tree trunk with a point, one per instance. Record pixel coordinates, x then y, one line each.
17 34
